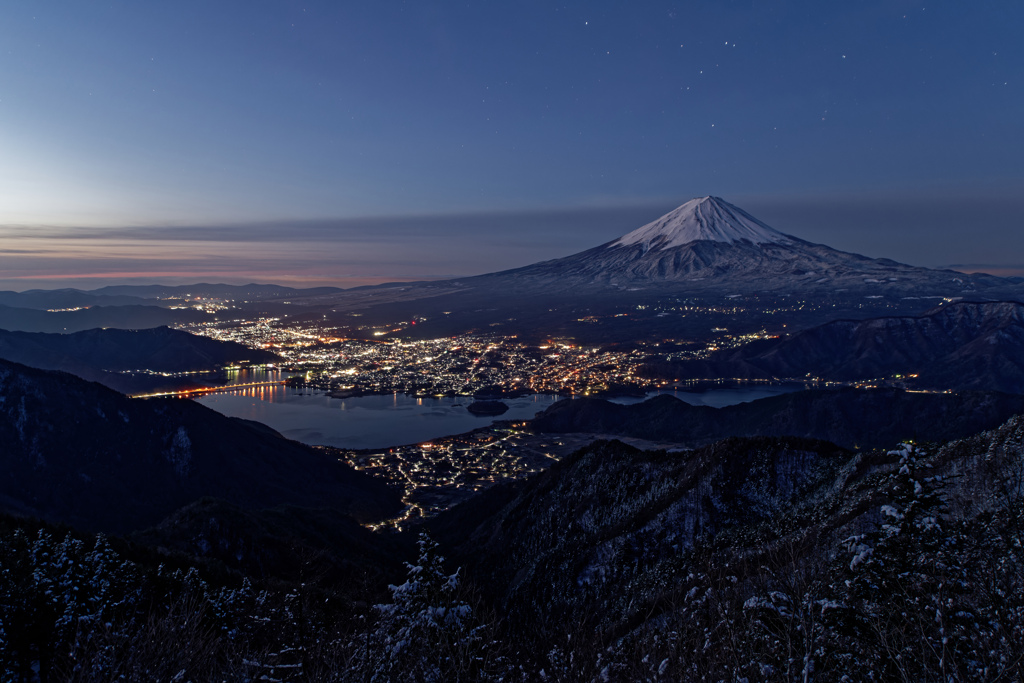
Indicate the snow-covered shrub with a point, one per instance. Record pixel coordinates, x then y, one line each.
428 631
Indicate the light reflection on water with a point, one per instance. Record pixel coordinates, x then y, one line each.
721 396
380 421
364 421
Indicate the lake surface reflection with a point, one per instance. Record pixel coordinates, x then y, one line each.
364 421
396 419
719 396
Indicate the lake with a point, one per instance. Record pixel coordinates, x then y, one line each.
721 395
396 419
363 421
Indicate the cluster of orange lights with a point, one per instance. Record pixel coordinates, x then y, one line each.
211 390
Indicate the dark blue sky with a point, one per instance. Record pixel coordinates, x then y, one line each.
129 114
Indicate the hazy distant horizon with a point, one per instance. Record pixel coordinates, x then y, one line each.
971 232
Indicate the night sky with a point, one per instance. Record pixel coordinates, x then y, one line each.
353 142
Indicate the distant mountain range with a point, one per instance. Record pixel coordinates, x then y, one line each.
852 418
135 306
250 292
103 355
56 299
960 346
124 295
76 452
131 317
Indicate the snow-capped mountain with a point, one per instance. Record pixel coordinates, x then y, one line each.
702 219
709 244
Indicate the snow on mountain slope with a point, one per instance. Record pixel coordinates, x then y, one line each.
704 218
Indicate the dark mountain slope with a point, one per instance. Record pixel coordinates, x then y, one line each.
125 317
961 346
50 299
622 565
853 418
77 452
159 349
103 355
284 542
608 524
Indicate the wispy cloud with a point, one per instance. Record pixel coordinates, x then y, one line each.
358 250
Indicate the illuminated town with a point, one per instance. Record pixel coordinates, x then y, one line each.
439 474
462 365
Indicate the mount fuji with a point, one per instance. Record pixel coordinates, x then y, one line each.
741 273
708 244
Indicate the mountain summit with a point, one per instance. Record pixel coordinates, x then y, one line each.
708 245
704 218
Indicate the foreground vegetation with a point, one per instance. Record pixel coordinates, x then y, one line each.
906 565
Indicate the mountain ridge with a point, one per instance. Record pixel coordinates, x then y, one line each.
851 418
960 346
106 355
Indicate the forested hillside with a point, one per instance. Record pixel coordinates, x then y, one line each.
758 559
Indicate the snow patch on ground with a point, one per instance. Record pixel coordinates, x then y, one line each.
179 452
